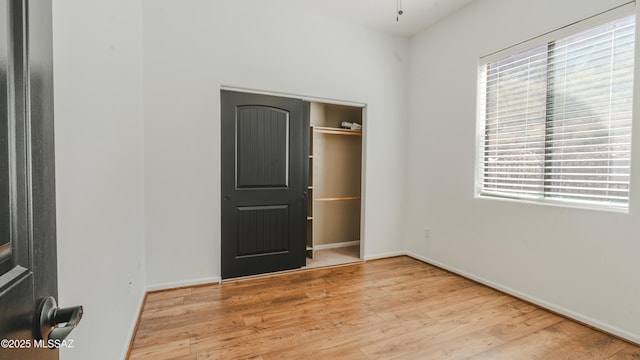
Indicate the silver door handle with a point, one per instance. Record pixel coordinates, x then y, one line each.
50 316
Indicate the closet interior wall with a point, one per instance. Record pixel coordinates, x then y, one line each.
335 168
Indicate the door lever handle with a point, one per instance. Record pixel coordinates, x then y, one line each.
50 316
70 316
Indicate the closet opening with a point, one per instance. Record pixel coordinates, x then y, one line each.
334 209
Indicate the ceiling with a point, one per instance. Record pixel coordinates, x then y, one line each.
381 14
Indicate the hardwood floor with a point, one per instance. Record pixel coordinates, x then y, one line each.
397 308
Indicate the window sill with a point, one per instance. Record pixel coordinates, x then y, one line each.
555 203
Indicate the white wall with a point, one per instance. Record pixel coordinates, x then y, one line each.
99 170
580 262
112 164
192 48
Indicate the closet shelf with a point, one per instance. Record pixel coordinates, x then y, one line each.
338 198
336 131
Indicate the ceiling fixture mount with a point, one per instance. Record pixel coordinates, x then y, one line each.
399 10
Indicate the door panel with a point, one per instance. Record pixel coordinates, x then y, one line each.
262 147
263 230
16 317
264 177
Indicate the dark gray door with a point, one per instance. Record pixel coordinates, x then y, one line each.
28 280
264 183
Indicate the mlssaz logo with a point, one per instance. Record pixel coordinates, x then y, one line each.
54 344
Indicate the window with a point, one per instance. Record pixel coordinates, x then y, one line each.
555 115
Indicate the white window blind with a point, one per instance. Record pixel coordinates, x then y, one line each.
557 118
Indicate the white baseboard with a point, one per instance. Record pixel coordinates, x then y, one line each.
178 284
336 245
132 327
635 338
385 255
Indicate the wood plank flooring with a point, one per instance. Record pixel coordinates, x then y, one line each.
397 308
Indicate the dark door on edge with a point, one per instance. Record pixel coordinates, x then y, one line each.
28 270
265 146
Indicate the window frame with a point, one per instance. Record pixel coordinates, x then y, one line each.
628 9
